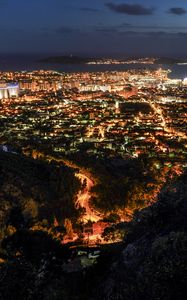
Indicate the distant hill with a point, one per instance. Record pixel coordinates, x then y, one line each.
71 59
65 60
169 61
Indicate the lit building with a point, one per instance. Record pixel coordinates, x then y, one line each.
9 90
117 107
185 81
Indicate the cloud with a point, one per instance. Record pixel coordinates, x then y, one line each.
64 30
90 9
177 11
131 9
113 29
135 31
125 25
61 30
182 34
155 34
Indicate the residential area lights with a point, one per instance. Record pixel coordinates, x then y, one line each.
105 114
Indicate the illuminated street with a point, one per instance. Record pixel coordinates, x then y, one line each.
83 200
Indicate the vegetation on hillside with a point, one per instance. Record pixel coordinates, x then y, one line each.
149 264
35 193
126 184
152 262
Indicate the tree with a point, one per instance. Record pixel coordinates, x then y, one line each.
69 228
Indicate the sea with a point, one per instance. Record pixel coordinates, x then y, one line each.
31 62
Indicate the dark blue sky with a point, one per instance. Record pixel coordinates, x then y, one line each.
131 27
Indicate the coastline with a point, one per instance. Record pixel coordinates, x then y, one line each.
30 62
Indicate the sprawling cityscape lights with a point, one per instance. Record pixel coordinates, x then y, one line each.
103 114
93 150
126 113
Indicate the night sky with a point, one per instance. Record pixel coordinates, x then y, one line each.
134 27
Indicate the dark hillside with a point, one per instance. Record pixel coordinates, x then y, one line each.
35 190
153 262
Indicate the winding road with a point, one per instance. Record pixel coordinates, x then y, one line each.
84 195
83 199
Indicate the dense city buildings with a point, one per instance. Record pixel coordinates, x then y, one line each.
117 116
123 114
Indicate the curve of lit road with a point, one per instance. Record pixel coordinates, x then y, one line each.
84 195
83 199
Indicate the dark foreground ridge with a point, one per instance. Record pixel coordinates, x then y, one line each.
149 264
152 262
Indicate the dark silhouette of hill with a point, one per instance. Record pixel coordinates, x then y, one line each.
152 262
33 190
